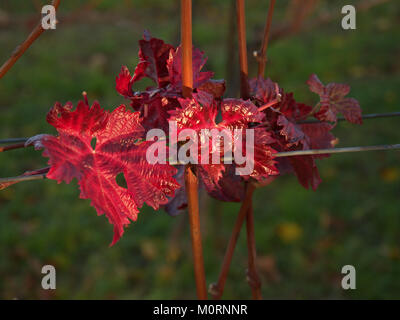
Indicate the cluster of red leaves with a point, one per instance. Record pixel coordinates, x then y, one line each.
161 63
95 146
199 113
157 105
285 116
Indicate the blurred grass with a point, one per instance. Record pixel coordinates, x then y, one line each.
303 237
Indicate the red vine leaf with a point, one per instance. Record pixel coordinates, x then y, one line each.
174 65
306 171
237 113
333 101
292 132
263 90
116 150
124 81
153 56
319 136
178 203
221 182
155 53
154 110
214 87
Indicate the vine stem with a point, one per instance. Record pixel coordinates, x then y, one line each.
252 275
186 39
217 289
27 176
191 184
22 178
12 146
261 54
241 29
191 181
19 51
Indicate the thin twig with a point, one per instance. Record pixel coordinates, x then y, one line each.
27 176
217 289
241 28
244 92
22 178
191 182
252 274
13 146
261 54
186 35
19 51
230 64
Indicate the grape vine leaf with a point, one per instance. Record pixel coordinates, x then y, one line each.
174 66
153 56
333 101
117 149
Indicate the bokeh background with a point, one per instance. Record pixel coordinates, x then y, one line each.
303 237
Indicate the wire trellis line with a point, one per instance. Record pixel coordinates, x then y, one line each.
364 117
337 150
13 140
384 147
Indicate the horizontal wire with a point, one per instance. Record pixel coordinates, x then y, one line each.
337 150
278 155
364 117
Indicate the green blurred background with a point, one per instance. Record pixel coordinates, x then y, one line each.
303 237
